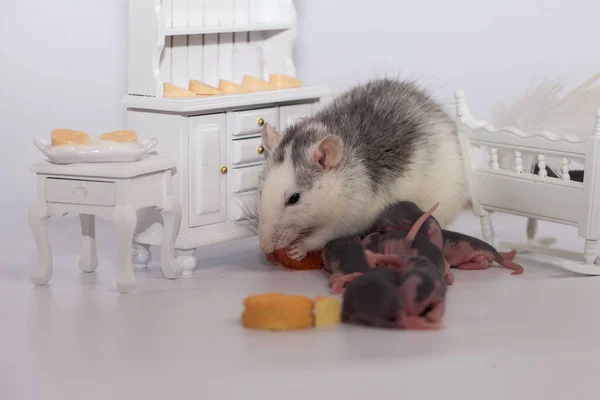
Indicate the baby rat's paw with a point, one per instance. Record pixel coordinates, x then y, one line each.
339 281
296 251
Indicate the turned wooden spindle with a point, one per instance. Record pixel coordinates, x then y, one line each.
518 162
462 110
565 169
542 166
494 158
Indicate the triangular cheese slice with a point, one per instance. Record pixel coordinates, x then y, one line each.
69 136
256 85
120 136
226 86
203 89
176 91
284 81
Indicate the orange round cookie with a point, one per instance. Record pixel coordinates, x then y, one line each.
311 261
278 311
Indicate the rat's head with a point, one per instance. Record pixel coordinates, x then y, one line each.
297 182
373 299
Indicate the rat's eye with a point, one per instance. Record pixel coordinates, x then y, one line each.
293 199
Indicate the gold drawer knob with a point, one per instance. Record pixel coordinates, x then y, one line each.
260 150
224 170
260 122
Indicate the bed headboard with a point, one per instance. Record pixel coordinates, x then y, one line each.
517 189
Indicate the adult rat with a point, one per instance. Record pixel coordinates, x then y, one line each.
332 174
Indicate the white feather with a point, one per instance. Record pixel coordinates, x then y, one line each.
544 107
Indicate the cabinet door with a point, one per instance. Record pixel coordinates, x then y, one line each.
208 154
289 114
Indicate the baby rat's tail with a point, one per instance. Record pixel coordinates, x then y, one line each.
410 236
506 260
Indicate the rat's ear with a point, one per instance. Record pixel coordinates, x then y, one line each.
328 152
270 137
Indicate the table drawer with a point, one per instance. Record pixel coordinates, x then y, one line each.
251 121
73 191
244 179
245 151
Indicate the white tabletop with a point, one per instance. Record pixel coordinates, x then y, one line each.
149 164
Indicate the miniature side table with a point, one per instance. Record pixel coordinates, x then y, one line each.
114 191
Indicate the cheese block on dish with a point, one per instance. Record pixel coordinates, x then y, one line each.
176 91
203 89
284 81
69 136
120 136
256 85
328 311
226 86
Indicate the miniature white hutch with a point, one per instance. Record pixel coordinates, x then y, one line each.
215 140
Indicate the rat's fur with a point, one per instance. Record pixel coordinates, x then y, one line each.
396 144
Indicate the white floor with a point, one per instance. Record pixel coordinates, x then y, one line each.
530 336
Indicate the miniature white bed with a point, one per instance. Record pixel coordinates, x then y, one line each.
517 191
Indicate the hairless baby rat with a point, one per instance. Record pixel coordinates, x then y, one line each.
404 214
383 297
467 252
348 258
331 174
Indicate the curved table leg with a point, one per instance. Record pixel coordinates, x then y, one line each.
89 256
125 220
38 222
171 214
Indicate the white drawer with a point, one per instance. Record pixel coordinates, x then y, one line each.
80 192
244 179
251 121
245 151
290 114
241 206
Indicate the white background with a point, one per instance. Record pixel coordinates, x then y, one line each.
63 63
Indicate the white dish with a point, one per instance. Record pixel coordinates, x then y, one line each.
98 151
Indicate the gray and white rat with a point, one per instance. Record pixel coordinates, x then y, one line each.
330 175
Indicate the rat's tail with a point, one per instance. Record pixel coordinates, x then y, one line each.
506 260
410 236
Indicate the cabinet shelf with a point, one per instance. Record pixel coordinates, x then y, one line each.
276 26
225 102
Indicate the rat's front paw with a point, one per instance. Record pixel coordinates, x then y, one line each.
295 251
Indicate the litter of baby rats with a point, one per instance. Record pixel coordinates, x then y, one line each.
397 274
